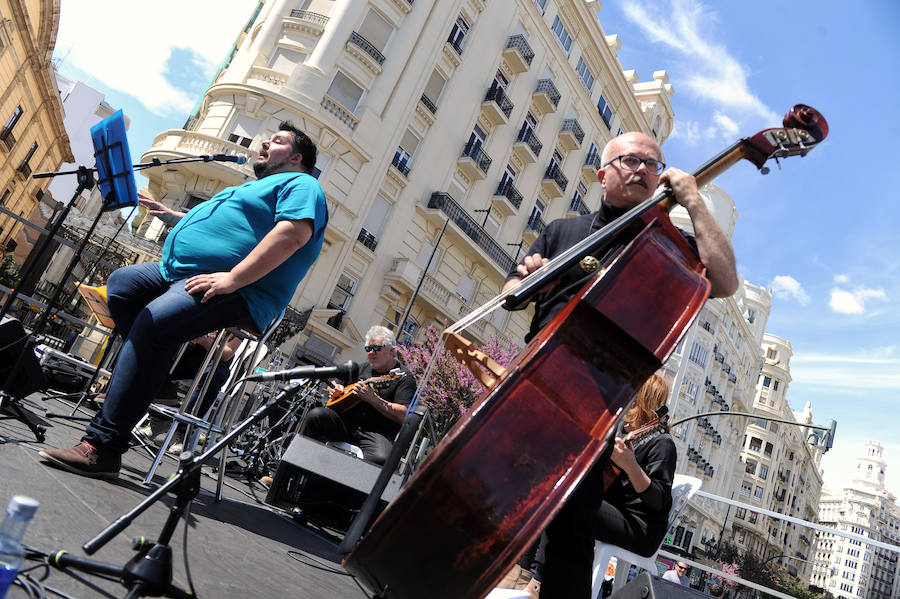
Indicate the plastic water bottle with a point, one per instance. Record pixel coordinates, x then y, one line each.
19 513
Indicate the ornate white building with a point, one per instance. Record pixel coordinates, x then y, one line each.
489 114
850 568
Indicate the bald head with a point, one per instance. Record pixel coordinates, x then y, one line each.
626 188
614 147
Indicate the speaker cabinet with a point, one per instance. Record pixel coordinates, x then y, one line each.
30 377
326 484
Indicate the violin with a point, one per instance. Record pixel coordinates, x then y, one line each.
497 479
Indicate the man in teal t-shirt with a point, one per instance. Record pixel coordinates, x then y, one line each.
234 260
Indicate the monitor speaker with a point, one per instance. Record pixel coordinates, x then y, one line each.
30 377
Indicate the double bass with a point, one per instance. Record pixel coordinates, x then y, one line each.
504 470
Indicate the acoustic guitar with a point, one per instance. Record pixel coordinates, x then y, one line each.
348 399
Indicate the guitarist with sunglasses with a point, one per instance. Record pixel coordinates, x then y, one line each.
369 412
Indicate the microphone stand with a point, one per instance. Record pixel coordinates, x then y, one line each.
149 572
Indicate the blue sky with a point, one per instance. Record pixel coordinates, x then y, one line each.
821 233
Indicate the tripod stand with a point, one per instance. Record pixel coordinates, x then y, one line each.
149 572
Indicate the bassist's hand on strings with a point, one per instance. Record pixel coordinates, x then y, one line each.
529 265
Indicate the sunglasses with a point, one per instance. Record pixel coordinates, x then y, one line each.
369 348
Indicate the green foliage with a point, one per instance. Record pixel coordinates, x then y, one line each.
9 271
792 586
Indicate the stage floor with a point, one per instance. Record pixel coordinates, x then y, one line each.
240 547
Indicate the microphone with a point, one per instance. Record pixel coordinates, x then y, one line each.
347 372
238 158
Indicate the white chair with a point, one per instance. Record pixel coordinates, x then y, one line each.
507 594
683 488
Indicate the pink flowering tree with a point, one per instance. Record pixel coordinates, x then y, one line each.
451 388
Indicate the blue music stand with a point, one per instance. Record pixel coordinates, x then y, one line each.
115 173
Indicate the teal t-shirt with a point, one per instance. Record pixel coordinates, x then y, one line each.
218 233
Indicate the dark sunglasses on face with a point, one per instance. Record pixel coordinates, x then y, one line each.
369 348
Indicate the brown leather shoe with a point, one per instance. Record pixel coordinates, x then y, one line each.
86 460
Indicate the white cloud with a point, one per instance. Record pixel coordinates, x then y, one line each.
841 278
853 302
789 288
710 72
875 368
125 45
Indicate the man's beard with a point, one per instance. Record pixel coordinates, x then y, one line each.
261 169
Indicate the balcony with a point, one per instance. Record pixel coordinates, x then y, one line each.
400 164
426 101
571 135
592 164
310 22
337 109
496 106
367 239
545 97
474 163
403 275
527 147
177 143
446 204
577 207
518 54
533 228
366 52
554 182
507 198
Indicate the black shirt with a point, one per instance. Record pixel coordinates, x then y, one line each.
366 417
559 236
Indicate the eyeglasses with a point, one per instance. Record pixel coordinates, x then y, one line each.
633 163
681 567
369 348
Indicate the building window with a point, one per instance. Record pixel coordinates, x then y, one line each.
376 30
375 221
775 385
458 34
242 141
562 35
768 450
344 91
773 426
740 513
434 89
6 135
25 166
763 471
605 110
405 152
750 466
541 4
758 493
698 355
586 77
755 444
746 488
771 354
767 381
343 293
752 517
466 288
284 60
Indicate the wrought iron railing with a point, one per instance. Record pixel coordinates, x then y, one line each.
509 191
529 137
442 201
367 239
579 206
520 43
535 223
477 153
429 104
497 95
573 126
555 173
312 17
401 165
367 46
546 86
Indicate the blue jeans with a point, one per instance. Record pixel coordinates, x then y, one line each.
154 317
